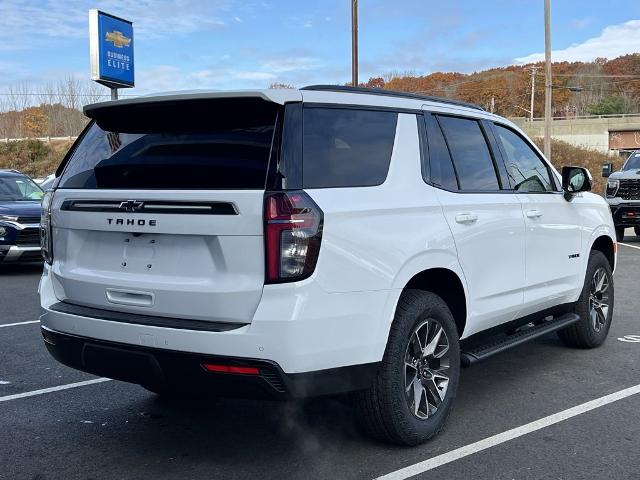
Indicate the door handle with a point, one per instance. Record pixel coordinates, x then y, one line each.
534 213
466 218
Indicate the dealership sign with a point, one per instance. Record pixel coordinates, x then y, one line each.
111 46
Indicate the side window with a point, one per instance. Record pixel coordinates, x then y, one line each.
346 147
442 172
527 171
470 153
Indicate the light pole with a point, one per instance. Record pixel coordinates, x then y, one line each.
533 91
354 43
548 79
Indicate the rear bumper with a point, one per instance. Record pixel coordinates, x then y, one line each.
298 327
19 253
158 369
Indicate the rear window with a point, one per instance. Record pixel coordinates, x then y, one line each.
184 145
442 172
346 147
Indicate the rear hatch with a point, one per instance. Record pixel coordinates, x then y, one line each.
159 208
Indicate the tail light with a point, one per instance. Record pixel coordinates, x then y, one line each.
293 232
46 240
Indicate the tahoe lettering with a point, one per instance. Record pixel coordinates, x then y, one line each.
140 222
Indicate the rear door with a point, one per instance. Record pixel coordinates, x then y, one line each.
159 210
486 221
553 238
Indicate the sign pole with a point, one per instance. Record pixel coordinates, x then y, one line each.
114 93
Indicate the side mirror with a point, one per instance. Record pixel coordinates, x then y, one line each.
607 169
575 180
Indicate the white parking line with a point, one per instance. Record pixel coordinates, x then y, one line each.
503 437
42 391
630 246
18 323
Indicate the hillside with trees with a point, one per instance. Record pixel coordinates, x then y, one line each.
51 110
600 87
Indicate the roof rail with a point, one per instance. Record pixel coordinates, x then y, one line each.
390 93
12 170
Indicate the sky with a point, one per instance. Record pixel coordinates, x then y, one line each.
228 44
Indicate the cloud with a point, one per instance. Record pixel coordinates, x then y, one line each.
613 41
26 24
289 64
445 44
159 78
580 23
296 67
255 76
300 21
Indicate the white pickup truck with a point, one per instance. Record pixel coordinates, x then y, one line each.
623 194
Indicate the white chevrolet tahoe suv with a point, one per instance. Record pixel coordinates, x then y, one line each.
319 241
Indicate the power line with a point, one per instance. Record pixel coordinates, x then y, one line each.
36 94
593 75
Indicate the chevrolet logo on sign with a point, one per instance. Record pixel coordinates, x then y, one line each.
118 39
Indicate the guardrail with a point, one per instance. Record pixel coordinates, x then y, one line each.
581 117
42 139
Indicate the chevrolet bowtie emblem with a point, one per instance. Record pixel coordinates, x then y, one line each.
118 39
131 205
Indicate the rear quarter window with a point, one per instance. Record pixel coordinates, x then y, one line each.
346 147
470 152
442 172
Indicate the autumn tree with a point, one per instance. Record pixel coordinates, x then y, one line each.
278 85
34 122
374 82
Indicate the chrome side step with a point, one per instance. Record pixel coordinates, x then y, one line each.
500 343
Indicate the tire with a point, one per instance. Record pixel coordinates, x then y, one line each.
636 231
589 331
386 411
619 234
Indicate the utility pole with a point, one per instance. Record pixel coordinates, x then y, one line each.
354 43
548 79
533 91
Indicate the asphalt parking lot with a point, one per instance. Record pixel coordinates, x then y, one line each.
116 430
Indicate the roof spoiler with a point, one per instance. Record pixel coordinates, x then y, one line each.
279 96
